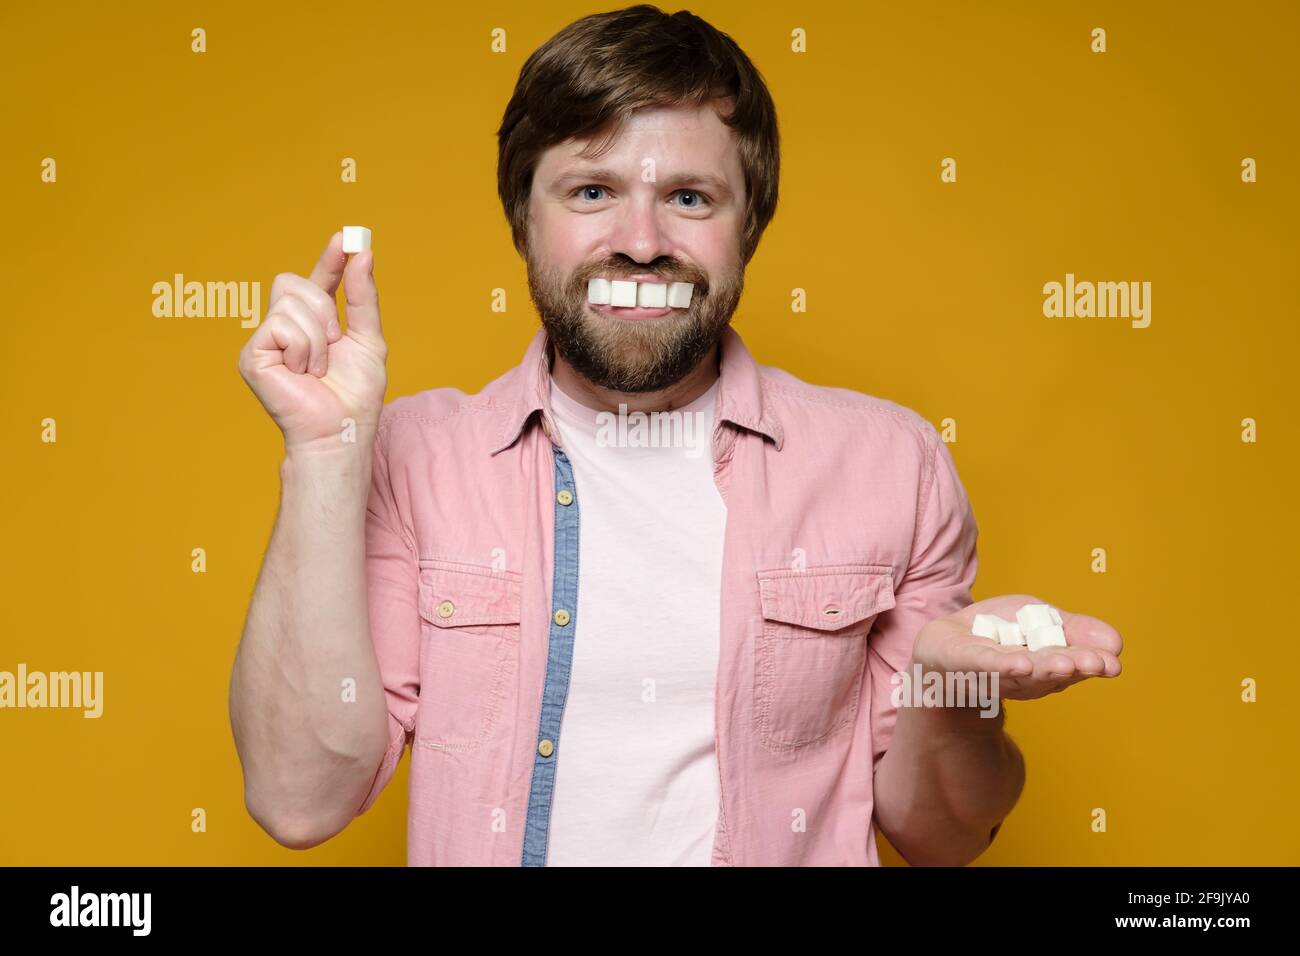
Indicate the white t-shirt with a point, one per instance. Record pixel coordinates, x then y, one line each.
636 782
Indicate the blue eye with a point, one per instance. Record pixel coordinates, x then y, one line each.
690 192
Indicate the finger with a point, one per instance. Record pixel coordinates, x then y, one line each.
1110 667
301 313
964 651
988 654
1086 659
287 336
1051 664
1083 629
322 305
328 271
1113 666
1007 661
1032 688
362 296
1094 662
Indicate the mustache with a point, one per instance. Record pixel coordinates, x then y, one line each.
669 268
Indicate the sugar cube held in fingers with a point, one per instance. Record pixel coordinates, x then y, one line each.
356 239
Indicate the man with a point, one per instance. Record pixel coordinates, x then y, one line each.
603 649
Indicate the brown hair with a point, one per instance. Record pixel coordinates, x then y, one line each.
596 71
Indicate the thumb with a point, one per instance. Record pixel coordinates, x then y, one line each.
362 295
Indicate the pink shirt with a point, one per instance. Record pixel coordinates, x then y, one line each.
847 529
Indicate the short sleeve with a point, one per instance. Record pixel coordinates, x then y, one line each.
938 581
392 594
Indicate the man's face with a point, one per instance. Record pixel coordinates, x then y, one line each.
666 201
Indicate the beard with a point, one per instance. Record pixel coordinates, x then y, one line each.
632 355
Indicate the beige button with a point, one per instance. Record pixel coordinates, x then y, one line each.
565 497
561 617
546 748
446 609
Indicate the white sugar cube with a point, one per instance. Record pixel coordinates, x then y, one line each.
986 625
1009 633
598 291
679 294
1056 615
651 295
1033 615
1049 635
622 293
355 238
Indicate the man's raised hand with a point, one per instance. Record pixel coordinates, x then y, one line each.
309 374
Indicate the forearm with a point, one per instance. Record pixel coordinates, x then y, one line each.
947 780
308 754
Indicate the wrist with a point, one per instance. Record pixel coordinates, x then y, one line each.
960 703
348 463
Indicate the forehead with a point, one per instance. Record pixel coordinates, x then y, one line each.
680 135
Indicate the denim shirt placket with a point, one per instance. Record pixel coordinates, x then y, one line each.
559 660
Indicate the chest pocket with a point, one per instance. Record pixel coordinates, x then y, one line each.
469 652
812 651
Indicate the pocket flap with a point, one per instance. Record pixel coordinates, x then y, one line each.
826 598
456 595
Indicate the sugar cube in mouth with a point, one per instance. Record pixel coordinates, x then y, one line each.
622 293
626 293
651 295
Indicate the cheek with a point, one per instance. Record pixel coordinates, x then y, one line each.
560 246
717 251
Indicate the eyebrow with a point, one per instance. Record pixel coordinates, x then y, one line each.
715 184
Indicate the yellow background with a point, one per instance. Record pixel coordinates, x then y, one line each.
1072 434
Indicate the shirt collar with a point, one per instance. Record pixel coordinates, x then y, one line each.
740 392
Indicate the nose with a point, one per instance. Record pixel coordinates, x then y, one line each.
638 232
